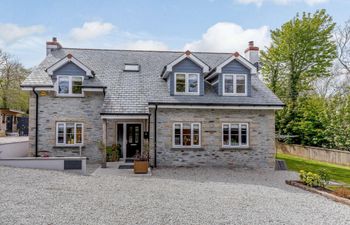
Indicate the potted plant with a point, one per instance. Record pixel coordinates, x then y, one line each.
141 161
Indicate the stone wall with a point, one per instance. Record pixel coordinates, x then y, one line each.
260 153
57 109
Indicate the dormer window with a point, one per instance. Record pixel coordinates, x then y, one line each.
187 83
132 67
69 85
235 84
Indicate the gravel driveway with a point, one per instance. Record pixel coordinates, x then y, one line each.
170 196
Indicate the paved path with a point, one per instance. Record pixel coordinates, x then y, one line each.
170 196
9 139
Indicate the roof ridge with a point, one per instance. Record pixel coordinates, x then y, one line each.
133 50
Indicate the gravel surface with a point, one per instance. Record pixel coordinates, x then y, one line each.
170 196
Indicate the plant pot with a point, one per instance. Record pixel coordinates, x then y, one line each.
114 156
103 165
140 166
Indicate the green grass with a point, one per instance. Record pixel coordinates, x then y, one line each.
336 173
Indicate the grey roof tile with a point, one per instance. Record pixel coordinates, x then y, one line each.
130 92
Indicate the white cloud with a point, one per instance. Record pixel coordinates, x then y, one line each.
281 2
91 30
145 45
230 37
10 33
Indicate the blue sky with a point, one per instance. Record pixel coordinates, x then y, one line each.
206 25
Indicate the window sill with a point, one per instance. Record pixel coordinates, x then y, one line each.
237 95
234 148
69 146
70 96
187 149
186 93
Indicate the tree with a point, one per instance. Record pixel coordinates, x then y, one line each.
12 73
302 51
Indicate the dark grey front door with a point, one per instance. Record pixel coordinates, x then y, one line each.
133 140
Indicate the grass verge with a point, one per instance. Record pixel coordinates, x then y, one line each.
337 173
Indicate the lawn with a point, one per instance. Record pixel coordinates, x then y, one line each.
336 173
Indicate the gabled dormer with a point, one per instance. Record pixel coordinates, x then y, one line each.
185 75
68 75
233 76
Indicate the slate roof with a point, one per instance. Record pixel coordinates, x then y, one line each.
131 92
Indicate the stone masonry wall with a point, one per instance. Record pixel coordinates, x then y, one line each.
57 109
259 155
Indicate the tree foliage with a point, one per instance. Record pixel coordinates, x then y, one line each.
302 54
301 51
12 73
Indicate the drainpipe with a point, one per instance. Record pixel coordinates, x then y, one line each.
36 120
155 136
149 133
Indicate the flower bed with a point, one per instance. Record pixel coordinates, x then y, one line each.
321 191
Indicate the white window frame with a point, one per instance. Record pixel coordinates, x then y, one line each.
234 83
70 88
186 84
181 135
65 133
239 135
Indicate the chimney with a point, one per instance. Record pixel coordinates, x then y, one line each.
252 53
52 45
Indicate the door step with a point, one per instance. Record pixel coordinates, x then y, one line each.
126 167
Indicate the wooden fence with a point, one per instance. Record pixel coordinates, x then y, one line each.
320 154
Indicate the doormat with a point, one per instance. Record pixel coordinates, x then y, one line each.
129 160
126 167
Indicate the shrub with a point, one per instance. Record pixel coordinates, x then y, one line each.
325 178
342 192
311 179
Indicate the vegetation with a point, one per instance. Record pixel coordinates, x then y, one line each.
342 192
12 73
335 172
307 67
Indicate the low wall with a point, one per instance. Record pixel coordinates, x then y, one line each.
321 154
49 163
14 149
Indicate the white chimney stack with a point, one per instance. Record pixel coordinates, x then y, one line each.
52 45
252 53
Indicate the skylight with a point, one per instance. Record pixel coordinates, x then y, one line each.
132 67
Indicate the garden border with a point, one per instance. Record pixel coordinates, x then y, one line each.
322 193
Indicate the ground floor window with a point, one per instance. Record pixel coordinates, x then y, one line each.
235 135
69 133
186 134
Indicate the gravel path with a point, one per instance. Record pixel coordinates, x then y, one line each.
170 196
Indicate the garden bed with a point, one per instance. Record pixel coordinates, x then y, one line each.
319 190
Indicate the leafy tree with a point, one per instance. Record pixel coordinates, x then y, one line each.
12 73
302 51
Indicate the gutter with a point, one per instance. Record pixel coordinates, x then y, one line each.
36 120
215 104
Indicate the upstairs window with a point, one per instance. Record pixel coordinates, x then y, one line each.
70 85
235 135
235 84
69 133
186 134
132 67
187 83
